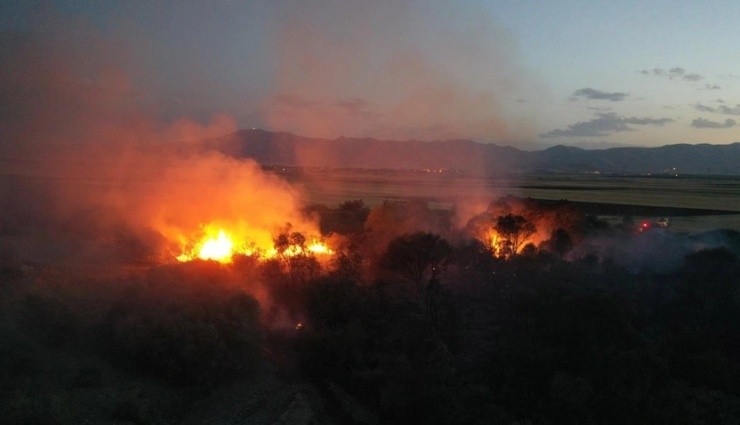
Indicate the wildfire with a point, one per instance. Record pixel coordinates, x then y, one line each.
493 241
495 244
218 249
219 245
500 246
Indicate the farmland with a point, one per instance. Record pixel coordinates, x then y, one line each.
693 203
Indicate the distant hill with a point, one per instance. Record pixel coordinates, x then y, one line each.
475 158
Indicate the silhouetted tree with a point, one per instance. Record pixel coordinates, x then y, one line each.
420 258
417 256
351 216
560 242
515 230
393 219
287 240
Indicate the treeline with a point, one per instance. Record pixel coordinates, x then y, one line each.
127 349
449 333
410 322
532 340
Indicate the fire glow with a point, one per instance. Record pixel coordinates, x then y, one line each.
495 244
220 245
499 246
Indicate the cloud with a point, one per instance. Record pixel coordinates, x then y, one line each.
675 73
712 87
704 108
605 124
594 94
647 121
724 109
705 123
721 109
355 106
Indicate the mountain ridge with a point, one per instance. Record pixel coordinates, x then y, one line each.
283 148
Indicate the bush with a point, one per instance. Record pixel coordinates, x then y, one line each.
187 334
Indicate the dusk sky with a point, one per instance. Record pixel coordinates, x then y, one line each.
523 73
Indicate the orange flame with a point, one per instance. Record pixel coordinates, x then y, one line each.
219 249
220 245
495 243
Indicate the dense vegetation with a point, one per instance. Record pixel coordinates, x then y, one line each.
403 327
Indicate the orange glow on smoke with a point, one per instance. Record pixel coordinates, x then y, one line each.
220 245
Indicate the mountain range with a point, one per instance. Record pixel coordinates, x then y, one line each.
281 148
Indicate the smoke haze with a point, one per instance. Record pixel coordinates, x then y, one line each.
428 70
91 171
395 70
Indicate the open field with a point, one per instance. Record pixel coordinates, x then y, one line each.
692 203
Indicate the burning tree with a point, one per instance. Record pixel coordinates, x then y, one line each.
503 235
290 243
221 245
514 231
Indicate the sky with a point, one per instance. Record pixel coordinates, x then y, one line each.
530 74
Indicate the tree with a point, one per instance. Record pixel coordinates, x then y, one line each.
300 264
285 241
418 256
515 230
350 217
560 242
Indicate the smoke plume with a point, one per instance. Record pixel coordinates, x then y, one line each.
91 171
